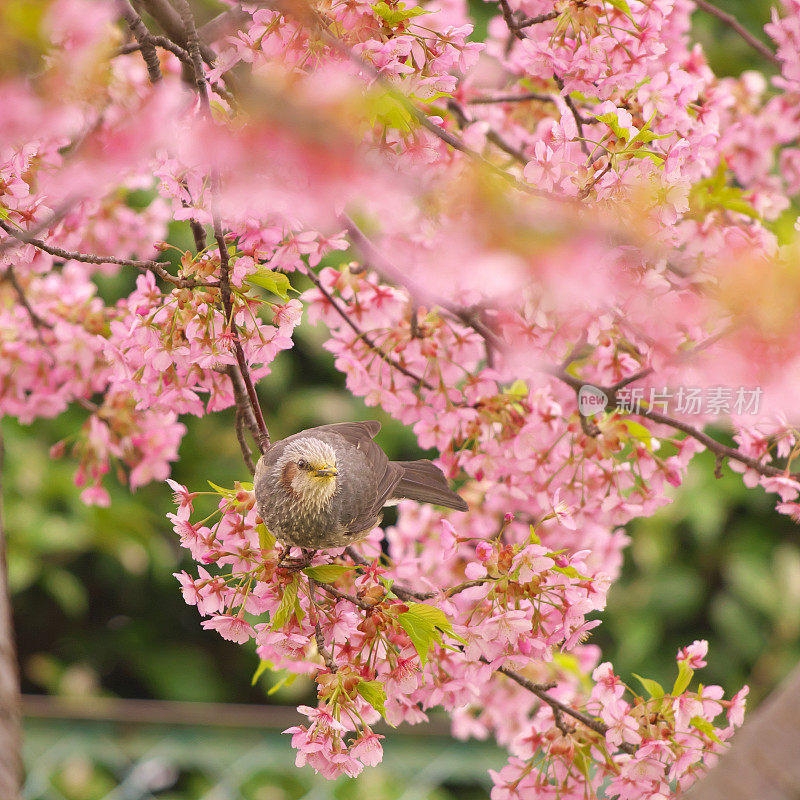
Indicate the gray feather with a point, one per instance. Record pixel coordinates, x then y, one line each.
425 482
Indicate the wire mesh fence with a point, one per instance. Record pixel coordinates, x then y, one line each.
126 751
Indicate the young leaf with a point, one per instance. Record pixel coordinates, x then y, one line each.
374 693
685 673
393 16
275 282
262 667
288 606
653 688
424 625
327 573
287 680
224 492
266 541
704 726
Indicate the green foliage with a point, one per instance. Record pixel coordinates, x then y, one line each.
374 693
425 625
275 282
396 14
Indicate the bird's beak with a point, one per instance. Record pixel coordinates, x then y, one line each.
325 472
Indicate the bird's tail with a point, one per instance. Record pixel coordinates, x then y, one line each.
425 482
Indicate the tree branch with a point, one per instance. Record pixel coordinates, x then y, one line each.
733 23
590 722
379 351
142 34
155 267
712 444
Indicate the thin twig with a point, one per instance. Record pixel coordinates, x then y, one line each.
384 267
512 24
713 445
526 23
511 98
365 337
732 22
538 689
159 41
87 258
37 321
491 135
321 649
195 51
334 592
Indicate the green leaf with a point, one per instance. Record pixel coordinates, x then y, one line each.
622 5
224 492
289 606
275 282
388 109
394 15
374 693
262 667
639 432
424 625
653 688
518 389
570 572
704 726
610 119
685 673
713 193
327 573
287 680
266 541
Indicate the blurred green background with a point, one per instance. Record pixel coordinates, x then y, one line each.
98 612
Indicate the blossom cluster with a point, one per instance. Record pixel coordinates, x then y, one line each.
488 227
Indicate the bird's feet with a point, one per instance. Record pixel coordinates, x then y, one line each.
296 564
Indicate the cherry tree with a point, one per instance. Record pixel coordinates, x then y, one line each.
557 254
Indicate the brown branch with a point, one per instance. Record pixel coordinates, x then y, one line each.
334 592
262 440
194 47
732 22
512 98
321 649
526 23
580 121
37 321
142 34
713 445
511 23
244 416
158 41
68 255
173 24
365 337
592 723
491 135
54 218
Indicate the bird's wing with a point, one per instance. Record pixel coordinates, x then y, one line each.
353 432
377 472
426 483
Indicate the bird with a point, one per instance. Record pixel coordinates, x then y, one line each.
324 487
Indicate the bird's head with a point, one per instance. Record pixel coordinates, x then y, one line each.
308 470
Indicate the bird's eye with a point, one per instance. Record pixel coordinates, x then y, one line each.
302 463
